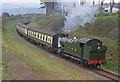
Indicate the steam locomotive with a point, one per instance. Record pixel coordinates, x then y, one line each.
89 52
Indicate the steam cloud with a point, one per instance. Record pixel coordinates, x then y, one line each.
78 15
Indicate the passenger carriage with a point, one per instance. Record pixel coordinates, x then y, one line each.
22 29
47 38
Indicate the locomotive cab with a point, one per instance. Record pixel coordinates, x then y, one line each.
93 50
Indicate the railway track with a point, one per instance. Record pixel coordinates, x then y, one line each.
102 72
108 74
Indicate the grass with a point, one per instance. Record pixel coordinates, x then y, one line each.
6 70
34 24
106 16
50 16
46 67
51 23
39 26
54 17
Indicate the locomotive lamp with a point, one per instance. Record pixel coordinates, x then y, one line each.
75 37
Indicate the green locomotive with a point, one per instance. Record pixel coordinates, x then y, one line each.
90 52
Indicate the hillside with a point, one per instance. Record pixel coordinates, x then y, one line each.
103 27
53 23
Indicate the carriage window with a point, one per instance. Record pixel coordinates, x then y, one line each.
41 36
50 40
35 34
38 35
46 38
32 34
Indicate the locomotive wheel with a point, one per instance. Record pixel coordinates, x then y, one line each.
68 58
92 66
31 40
79 62
87 65
72 59
75 61
28 39
64 57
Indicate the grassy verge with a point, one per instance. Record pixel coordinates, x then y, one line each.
4 66
6 75
46 67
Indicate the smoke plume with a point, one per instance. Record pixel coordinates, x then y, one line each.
78 15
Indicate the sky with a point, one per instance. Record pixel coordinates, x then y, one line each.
10 4
20 1
38 1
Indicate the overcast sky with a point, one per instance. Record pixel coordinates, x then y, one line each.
20 1
37 1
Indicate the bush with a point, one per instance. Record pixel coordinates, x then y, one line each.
119 15
106 14
98 15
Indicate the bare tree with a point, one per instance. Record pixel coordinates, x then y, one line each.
101 6
82 2
93 2
111 6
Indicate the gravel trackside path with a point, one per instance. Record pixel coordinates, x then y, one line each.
19 69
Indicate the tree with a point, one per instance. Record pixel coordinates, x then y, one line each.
119 4
82 2
101 7
5 14
111 6
93 2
